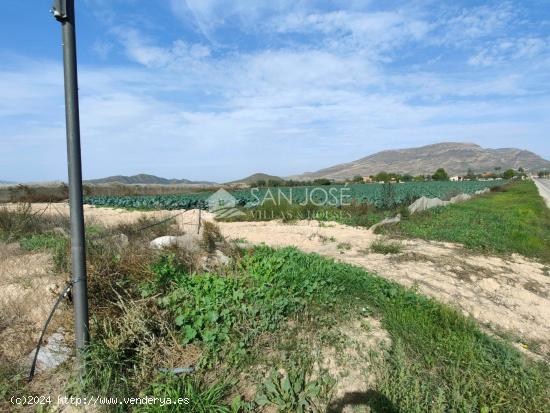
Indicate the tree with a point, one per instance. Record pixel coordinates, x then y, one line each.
382 177
407 178
394 177
357 178
440 175
322 181
509 174
471 175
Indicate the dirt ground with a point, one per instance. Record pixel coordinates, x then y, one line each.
28 288
509 294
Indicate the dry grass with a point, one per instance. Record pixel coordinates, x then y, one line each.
211 234
23 221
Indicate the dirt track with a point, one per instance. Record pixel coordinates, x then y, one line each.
504 293
543 186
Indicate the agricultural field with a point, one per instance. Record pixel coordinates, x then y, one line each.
376 194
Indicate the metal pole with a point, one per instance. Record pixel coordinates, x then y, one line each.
63 11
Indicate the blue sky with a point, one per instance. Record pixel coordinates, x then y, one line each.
216 90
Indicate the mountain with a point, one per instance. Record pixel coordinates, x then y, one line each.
255 178
456 158
6 183
142 179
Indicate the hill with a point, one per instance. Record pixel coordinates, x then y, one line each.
143 179
456 158
255 178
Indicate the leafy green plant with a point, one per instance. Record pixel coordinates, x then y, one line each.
292 392
388 196
167 269
382 196
215 311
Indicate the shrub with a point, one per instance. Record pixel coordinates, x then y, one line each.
211 234
23 221
381 247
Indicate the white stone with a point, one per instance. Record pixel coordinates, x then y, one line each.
52 353
189 242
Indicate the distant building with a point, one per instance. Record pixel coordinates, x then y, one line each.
456 178
367 179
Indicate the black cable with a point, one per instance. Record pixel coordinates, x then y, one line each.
61 296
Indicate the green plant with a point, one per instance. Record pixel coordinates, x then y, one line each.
384 247
308 198
404 211
216 311
293 392
167 269
388 197
198 396
58 245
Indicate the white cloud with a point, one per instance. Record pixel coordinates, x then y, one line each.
382 31
102 48
188 108
510 49
460 28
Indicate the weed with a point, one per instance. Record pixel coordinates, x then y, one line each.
323 238
9 381
216 311
293 391
384 247
145 228
199 397
343 246
404 212
211 235
59 246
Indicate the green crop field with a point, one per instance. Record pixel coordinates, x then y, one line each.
334 195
